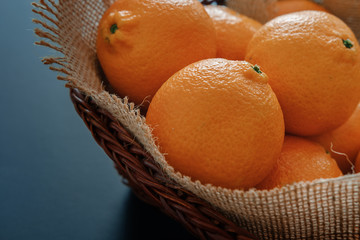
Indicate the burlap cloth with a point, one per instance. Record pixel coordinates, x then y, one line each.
323 209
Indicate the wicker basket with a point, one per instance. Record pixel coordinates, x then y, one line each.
147 180
133 162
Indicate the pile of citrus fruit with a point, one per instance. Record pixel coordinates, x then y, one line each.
233 102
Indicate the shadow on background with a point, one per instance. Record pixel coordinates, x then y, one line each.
142 221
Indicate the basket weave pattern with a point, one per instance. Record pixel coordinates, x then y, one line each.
147 180
321 210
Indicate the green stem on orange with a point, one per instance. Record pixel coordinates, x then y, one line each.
348 43
257 69
113 28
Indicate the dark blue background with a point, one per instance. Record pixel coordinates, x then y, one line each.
55 181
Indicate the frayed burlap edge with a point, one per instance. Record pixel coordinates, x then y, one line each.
302 210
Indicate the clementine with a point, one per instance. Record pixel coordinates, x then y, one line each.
283 7
233 31
300 160
312 59
345 140
219 122
141 43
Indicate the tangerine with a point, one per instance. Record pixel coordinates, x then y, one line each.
343 143
300 160
233 31
312 59
141 43
218 121
285 7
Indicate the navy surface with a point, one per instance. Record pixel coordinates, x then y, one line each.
55 181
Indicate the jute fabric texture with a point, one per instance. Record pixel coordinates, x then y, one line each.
323 209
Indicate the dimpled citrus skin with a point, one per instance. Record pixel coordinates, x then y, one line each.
218 121
300 160
345 139
152 39
314 75
289 6
233 31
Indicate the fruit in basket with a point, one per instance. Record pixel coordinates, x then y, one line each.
300 160
345 140
312 60
289 6
233 31
218 121
141 43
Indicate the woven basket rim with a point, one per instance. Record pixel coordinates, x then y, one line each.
143 175
139 169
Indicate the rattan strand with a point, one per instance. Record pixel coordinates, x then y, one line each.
136 166
147 180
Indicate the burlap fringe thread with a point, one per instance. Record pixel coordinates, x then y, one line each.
323 209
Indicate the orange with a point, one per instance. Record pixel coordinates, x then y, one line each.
345 140
141 43
357 163
284 7
300 160
233 31
219 122
312 60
